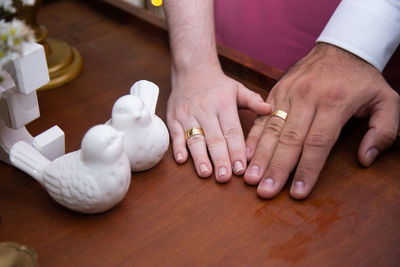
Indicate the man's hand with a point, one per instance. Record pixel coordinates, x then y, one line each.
320 94
204 97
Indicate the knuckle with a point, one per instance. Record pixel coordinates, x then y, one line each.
203 106
252 139
272 128
260 121
392 99
389 135
392 93
184 108
304 89
194 140
256 96
261 152
335 97
233 134
174 133
215 141
307 171
317 141
291 138
395 96
276 167
220 161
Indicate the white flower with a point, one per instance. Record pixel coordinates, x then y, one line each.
12 36
7 5
28 2
19 30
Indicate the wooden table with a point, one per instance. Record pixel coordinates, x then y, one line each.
170 217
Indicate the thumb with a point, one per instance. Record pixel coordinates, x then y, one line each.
250 100
383 127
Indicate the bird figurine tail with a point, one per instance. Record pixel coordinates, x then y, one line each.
26 158
148 92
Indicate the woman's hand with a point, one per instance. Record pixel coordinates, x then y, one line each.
204 97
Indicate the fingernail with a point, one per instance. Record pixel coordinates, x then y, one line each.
222 172
253 171
267 184
179 157
238 166
248 152
203 168
298 187
371 154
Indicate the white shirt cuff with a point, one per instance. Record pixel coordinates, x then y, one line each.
369 29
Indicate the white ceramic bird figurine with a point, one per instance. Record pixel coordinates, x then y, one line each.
90 180
146 135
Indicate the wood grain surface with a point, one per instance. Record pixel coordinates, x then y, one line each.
170 217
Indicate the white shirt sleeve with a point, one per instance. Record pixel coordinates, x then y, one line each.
369 29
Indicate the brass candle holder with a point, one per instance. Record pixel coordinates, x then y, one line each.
63 61
14 254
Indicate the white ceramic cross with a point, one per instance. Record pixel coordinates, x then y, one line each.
19 105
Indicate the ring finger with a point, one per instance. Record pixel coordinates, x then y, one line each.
287 151
266 147
197 147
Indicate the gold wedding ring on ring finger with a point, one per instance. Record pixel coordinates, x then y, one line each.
280 113
194 131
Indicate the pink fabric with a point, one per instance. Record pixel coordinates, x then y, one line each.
280 32
277 32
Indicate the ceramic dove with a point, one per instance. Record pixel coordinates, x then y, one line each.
90 180
146 135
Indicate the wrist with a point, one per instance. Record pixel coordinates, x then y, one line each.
340 54
195 68
188 63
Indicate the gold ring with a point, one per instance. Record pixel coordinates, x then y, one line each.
194 131
280 113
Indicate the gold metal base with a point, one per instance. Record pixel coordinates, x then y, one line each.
13 254
64 63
